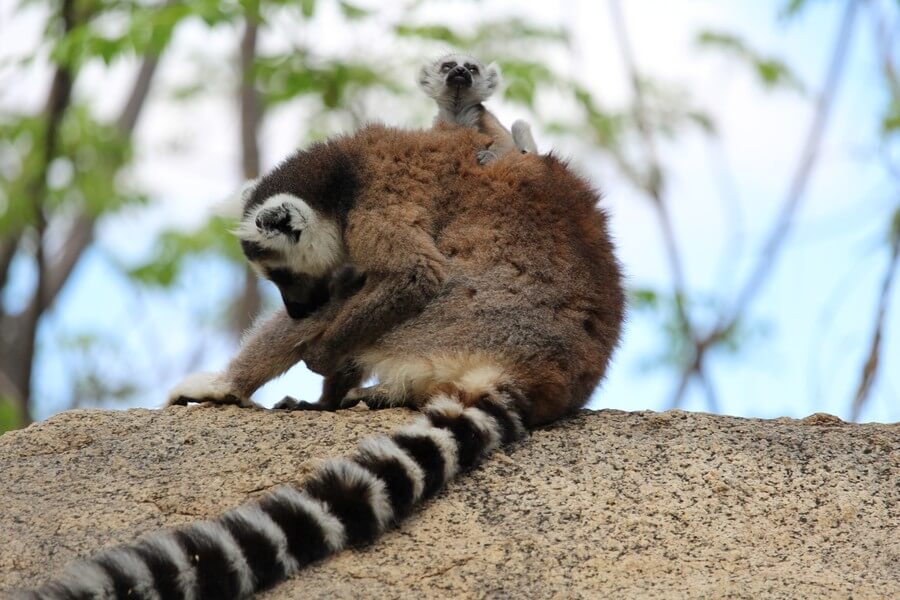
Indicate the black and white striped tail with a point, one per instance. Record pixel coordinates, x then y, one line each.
347 502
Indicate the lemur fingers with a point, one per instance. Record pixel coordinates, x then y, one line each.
290 403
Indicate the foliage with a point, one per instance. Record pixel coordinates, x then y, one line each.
83 176
174 248
9 415
771 72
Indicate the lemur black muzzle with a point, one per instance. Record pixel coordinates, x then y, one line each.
459 77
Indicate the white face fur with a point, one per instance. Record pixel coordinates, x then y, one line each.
302 240
458 81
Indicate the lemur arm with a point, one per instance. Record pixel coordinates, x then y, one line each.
503 141
268 350
490 125
405 270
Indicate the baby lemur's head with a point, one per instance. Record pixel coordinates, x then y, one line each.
458 81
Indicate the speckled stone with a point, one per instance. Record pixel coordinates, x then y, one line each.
602 505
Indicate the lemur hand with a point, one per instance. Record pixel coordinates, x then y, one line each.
206 387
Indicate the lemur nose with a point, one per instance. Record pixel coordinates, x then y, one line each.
459 75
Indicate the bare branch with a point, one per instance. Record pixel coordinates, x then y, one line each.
870 368
800 179
81 233
654 182
18 341
140 89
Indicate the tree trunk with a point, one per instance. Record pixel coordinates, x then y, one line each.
18 333
251 116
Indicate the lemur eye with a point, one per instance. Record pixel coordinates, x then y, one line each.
473 69
447 66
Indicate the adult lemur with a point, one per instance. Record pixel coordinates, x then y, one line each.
460 84
492 302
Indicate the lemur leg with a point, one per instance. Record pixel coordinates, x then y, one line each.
335 390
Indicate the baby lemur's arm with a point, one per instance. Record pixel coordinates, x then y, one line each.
503 144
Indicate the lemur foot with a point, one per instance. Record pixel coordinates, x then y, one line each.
290 403
206 387
373 397
486 156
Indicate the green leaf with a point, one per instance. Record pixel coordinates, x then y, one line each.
642 298
523 78
174 248
793 8
9 415
890 123
353 12
308 8
439 33
772 72
894 233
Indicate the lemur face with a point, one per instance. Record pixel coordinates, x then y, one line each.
459 79
291 226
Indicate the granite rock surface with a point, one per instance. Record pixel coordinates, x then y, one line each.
602 505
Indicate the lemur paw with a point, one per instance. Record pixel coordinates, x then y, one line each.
291 403
373 397
486 156
206 387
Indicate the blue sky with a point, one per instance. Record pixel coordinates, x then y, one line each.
816 308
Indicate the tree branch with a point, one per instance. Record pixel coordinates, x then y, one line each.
17 345
81 233
870 368
653 183
20 333
809 155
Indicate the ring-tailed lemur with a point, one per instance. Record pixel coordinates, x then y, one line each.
486 305
460 84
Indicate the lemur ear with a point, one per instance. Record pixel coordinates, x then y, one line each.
232 207
493 76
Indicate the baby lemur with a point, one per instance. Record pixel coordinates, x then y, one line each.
459 84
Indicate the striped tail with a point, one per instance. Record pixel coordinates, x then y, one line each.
347 502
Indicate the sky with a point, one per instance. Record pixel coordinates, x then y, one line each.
815 310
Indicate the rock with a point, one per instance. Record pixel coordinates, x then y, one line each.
604 504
